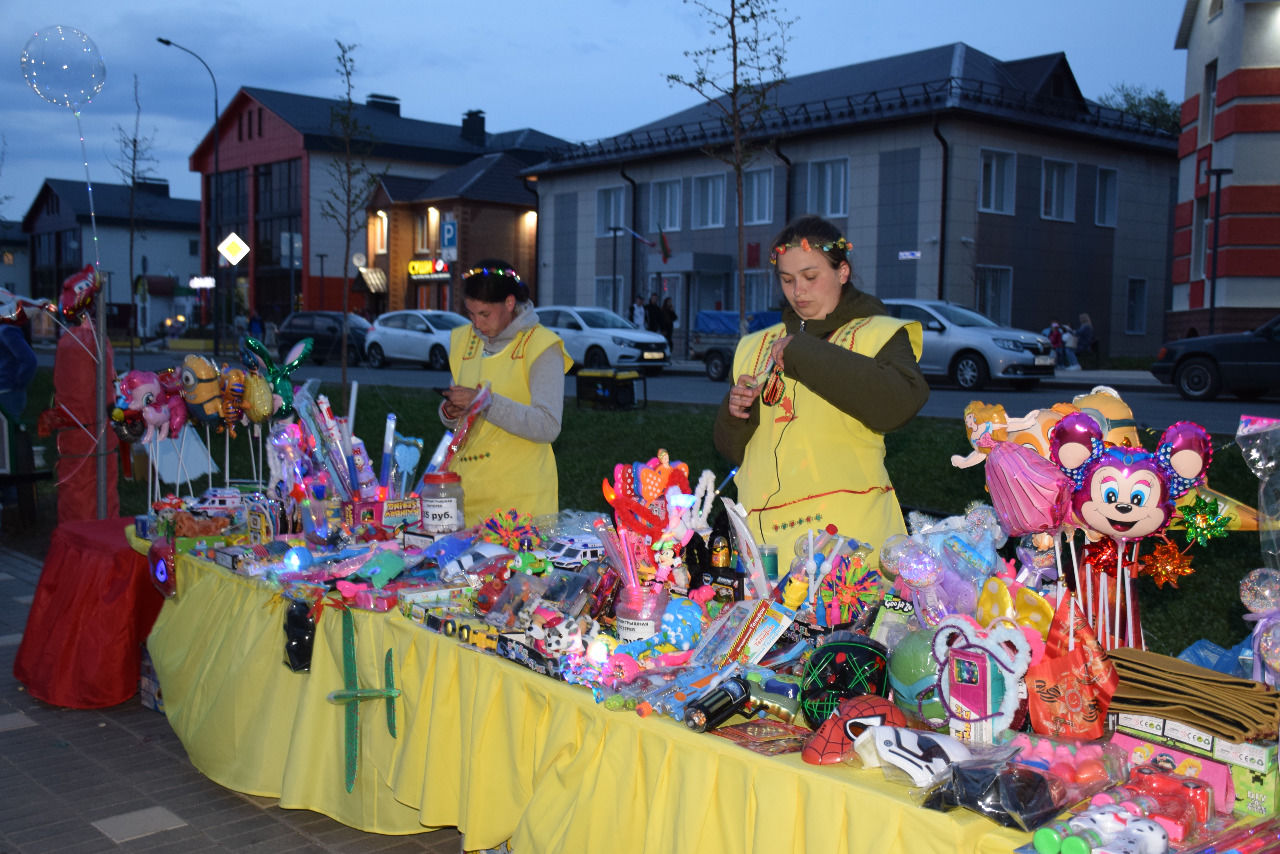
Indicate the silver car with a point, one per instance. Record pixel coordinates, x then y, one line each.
413 335
972 349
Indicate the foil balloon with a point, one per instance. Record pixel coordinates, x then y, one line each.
1030 494
233 391
78 291
62 65
258 357
162 412
201 388
1128 493
11 310
257 398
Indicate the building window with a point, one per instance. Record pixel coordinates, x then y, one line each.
1059 191
610 204
421 233
757 197
1135 308
1215 8
378 232
995 293
664 205
609 292
829 187
1108 198
708 201
760 290
996 194
1199 241
1208 102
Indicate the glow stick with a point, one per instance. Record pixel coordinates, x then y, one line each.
351 416
388 448
609 539
733 471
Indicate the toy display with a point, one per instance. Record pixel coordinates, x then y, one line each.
976 662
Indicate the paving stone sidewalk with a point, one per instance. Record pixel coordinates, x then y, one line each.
118 779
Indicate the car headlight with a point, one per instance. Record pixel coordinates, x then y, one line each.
1008 344
621 342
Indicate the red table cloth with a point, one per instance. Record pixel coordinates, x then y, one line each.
93 609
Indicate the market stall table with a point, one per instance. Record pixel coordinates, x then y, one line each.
494 749
92 610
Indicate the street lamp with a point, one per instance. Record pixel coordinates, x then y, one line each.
1217 220
215 212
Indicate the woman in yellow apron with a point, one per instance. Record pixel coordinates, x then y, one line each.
814 397
507 462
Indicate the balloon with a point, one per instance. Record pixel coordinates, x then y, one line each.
258 357
257 398
78 291
63 66
1260 590
1030 494
201 389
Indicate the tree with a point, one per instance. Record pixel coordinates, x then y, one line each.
353 181
736 76
133 165
1153 107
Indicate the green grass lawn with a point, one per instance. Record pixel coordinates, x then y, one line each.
1205 605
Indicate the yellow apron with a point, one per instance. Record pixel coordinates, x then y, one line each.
808 464
499 470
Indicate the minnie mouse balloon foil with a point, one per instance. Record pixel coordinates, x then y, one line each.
1128 493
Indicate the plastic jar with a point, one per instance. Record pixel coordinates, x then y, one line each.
638 612
441 494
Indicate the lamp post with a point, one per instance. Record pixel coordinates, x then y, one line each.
1216 174
214 211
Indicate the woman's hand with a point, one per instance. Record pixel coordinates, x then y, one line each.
742 395
775 350
457 399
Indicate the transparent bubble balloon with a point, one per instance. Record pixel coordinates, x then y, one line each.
63 66
1260 590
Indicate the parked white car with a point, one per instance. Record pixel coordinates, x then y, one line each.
599 338
413 335
972 349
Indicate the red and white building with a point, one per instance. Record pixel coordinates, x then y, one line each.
1229 162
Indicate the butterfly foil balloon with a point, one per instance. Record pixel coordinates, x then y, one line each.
279 377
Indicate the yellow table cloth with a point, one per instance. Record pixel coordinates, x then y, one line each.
496 750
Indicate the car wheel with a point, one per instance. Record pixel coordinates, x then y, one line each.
717 366
596 358
375 356
1197 379
438 359
970 371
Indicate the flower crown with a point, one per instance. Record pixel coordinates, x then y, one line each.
805 245
492 271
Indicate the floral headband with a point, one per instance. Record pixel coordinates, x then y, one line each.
805 245
492 271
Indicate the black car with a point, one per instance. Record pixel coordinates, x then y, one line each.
1246 364
325 329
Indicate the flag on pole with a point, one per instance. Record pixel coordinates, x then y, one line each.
664 244
639 237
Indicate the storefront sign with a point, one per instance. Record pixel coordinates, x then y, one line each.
425 269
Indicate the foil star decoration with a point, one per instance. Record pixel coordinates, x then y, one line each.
1204 521
1166 564
1102 556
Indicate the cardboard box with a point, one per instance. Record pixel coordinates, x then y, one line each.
1253 766
412 538
383 514
1140 750
415 602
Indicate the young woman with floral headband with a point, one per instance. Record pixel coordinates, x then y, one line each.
814 397
507 462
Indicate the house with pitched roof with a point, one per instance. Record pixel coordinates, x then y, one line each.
1227 161
277 155
68 226
958 176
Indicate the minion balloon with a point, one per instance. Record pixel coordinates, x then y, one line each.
201 389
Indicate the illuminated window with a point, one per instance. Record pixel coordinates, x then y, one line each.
378 232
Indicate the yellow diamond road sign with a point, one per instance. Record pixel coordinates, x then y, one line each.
233 248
